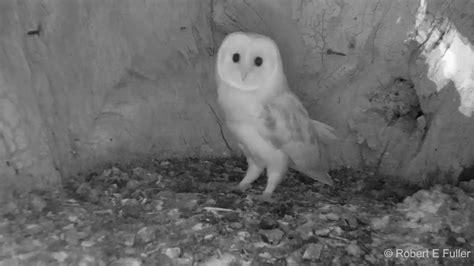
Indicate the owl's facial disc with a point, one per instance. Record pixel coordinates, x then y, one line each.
248 63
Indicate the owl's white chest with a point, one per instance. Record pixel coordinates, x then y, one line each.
239 107
242 111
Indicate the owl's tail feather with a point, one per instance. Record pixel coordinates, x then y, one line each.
325 132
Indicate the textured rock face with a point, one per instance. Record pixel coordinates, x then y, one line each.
443 72
26 158
93 81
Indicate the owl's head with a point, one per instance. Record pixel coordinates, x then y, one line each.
249 61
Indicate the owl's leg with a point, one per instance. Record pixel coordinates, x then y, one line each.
276 171
253 172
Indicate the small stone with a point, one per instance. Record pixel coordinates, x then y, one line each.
273 236
72 218
146 235
73 237
113 189
294 239
166 194
379 223
68 227
265 255
331 216
59 256
131 208
87 261
128 239
138 173
132 184
222 259
187 201
153 178
157 205
172 253
306 230
103 212
33 229
323 232
467 186
421 123
55 245
243 235
127 262
130 251
115 171
210 202
294 259
461 240
351 208
26 256
336 230
198 227
163 259
235 225
87 244
267 223
353 249
231 216
165 163
85 192
107 173
313 251
370 258
326 208
351 221
174 214
208 237
185 259
38 203
124 177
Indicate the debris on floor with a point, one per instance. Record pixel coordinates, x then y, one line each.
183 212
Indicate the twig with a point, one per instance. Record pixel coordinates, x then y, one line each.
217 209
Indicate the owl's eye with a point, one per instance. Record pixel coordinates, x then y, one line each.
236 57
258 61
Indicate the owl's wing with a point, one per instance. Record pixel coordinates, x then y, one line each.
285 122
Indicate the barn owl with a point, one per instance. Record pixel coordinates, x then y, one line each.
269 122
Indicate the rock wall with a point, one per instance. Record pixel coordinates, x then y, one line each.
84 82
442 68
94 81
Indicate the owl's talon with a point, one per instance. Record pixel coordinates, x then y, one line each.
242 187
265 198
239 189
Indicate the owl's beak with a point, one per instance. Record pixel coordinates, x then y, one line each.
243 74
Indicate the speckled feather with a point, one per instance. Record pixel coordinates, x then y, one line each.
286 123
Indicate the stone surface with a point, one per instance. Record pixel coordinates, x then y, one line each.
313 251
89 82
